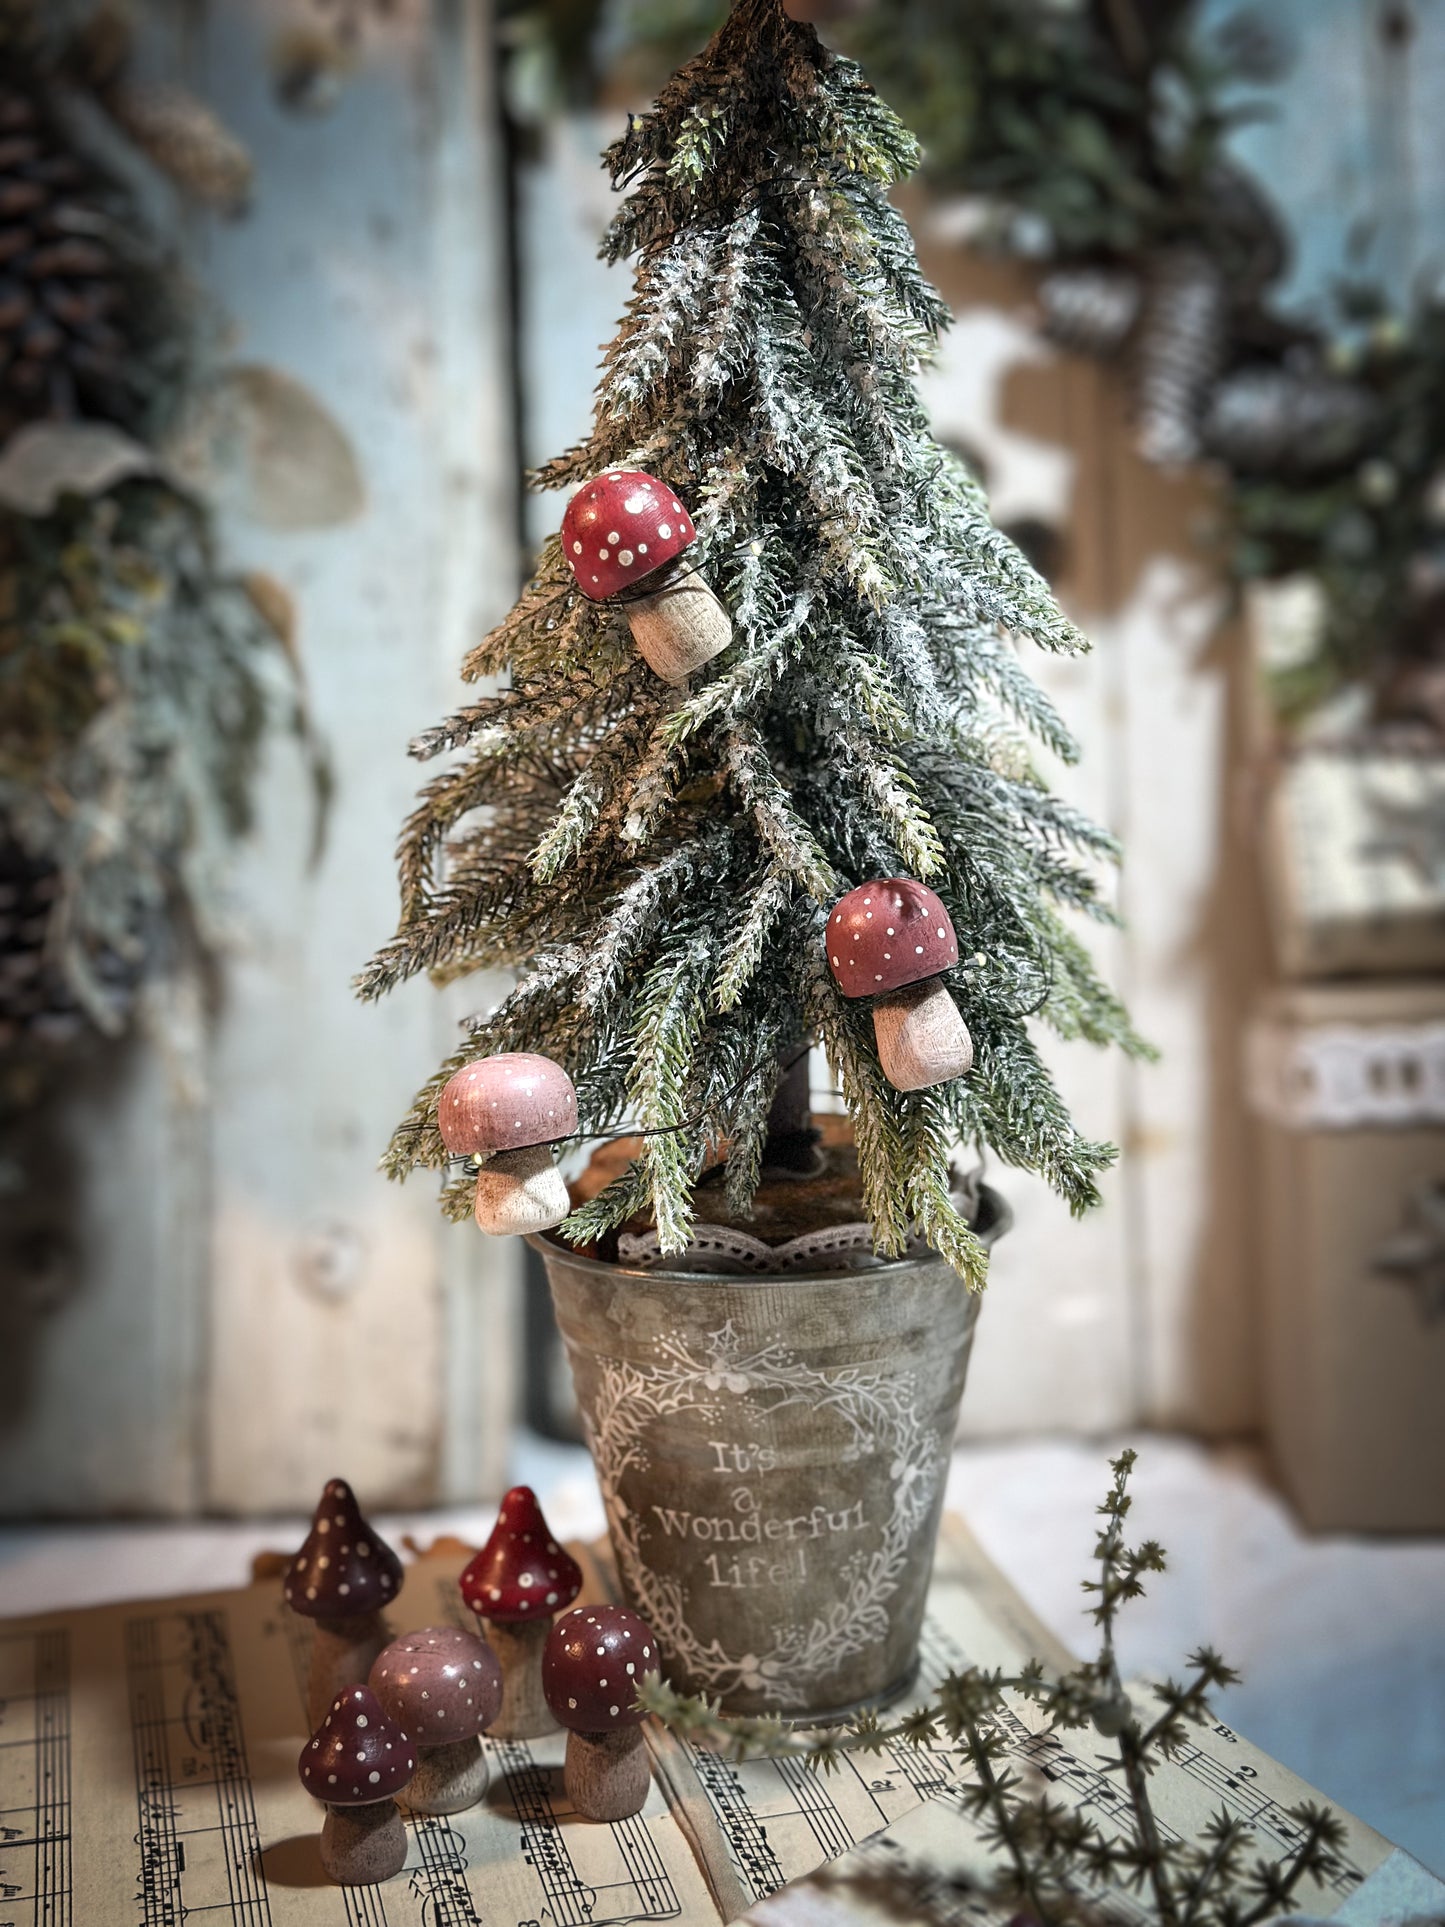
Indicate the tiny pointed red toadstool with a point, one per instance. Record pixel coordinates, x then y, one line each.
445 1687
357 1761
891 940
515 1584
511 1109
624 528
341 1579
595 1660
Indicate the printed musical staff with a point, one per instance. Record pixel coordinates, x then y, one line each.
197 1837
35 1810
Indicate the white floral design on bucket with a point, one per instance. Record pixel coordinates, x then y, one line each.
878 1409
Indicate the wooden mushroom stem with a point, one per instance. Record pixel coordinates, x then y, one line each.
679 627
521 1191
518 1643
449 1778
607 1774
363 1844
342 1651
922 1040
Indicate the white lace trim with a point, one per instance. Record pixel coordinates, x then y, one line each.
720 1248
1338 1077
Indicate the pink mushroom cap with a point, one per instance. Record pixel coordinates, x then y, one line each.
888 934
344 1568
521 1572
357 1755
441 1684
621 528
595 1659
506 1103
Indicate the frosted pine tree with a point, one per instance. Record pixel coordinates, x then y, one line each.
658 862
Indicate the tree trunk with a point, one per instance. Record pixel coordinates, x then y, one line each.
792 1143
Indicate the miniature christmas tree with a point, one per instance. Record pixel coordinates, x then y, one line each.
660 859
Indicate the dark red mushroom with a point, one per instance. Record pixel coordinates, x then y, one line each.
341 1579
890 940
445 1687
511 1109
515 1584
623 529
595 1659
357 1761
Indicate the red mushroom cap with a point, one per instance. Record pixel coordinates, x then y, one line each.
521 1572
887 934
621 528
592 1665
506 1103
357 1755
441 1684
343 1568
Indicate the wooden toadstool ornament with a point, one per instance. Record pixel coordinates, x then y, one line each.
596 1658
890 940
341 1579
357 1761
511 1109
623 529
514 1585
444 1686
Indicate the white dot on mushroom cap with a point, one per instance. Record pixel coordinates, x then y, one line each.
373 1778
645 1651
576 548
525 1579
323 1525
361 1759
331 1779
630 1667
573 1705
613 1711
602 1652
614 537
343 1589
603 554
551 1599
596 578
602 1682
891 931
878 978
626 558
664 530
361 1719
918 950
310 1592
642 548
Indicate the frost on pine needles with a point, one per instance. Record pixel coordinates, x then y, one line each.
657 862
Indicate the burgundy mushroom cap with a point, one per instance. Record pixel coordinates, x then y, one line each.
441 1684
357 1755
521 1572
885 935
343 1569
592 1665
506 1103
621 528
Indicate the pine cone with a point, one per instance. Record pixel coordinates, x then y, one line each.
62 298
1287 422
185 140
37 1005
1181 345
1089 310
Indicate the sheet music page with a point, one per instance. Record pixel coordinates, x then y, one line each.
148 1775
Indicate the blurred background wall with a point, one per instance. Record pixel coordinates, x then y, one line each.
212 1299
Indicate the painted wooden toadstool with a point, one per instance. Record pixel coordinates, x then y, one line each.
357 1761
341 1578
890 940
512 1109
623 529
444 1686
595 1659
515 1584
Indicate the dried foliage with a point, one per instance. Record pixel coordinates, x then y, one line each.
1055 1863
660 863
136 682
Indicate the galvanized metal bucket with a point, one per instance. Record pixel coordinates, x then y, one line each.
772 1454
